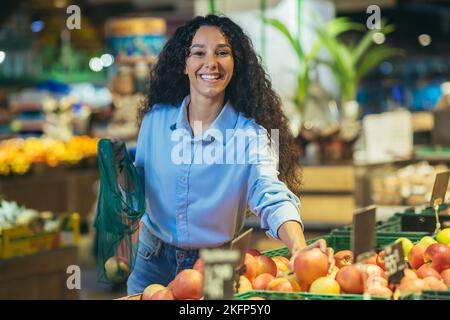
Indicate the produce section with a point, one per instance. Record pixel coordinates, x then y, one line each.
312 275
123 175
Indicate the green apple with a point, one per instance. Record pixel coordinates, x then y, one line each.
426 241
406 244
443 236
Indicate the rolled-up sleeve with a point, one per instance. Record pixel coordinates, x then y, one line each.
268 197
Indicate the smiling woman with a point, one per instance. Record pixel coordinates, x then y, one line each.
210 63
209 90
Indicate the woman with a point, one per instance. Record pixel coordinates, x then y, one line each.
206 89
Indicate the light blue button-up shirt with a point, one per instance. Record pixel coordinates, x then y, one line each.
198 188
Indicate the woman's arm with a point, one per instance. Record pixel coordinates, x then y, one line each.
291 234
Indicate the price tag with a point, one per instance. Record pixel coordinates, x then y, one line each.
439 188
241 243
394 262
219 273
223 267
363 234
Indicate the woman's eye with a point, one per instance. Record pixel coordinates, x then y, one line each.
197 53
223 53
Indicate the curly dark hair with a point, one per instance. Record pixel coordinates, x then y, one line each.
249 91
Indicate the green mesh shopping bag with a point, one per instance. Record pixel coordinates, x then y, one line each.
120 207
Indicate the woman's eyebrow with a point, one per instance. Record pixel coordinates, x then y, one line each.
221 45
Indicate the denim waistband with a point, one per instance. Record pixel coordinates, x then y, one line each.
161 244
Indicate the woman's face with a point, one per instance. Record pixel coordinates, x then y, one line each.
210 63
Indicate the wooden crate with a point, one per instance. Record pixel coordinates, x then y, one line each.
38 276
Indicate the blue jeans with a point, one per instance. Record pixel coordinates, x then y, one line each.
157 262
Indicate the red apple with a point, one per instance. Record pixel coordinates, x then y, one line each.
282 264
409 274
376 281
432 283
252 267
343 258
163 294
266 265
427 271
372 270
262 281
188 284
350 279
380 259
415 256
281 259
410 285
439 255
253 252
379 290
198 265
446 276
280 284
150 290
310 265
244 284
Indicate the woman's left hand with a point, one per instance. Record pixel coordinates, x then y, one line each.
320 244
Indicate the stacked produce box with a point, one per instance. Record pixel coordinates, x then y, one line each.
27 231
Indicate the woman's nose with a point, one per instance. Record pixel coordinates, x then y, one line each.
211 61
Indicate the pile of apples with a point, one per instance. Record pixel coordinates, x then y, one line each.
325 272
187 285
312 271
429 260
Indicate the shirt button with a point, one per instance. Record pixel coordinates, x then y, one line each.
183 179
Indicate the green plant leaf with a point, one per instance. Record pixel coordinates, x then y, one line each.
367 40
280 26
340 25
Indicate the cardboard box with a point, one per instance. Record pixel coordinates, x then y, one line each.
21 240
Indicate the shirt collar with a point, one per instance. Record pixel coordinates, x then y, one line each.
226 119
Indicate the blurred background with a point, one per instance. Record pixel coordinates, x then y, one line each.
365 84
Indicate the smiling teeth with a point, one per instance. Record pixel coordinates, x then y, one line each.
209 77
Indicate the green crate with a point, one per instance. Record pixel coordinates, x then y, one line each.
275 295
340 239
424 221
428 295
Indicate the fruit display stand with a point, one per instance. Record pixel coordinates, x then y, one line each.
428 295
425 220
50 174
33 264
38 276
338 240
22 240
59 189
274 295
